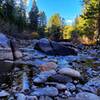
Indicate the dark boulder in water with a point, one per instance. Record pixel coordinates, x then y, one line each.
55 48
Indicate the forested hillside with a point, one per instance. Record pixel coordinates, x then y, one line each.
15 19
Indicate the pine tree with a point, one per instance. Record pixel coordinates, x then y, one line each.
41 24
21 16
92 14
33 16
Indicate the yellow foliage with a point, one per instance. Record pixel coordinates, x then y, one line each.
85 40
35 34
67 31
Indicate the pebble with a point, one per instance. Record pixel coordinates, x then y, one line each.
67 93
60 86
70 86
69 72
48 66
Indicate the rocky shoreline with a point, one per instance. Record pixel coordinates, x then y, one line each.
37 76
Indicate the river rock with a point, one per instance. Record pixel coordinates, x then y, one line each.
60 86
21 96
69 72
55 48
45 98
93 85
70 86
8 48
5 49
47 91
48 66
60 78
3 94
86 96
43 76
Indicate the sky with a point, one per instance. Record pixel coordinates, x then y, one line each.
68 9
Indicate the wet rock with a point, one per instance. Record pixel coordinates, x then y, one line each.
70 72
60 78
70 86
47 91
86 96
43 76
48 66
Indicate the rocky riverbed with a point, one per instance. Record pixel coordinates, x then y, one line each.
37 76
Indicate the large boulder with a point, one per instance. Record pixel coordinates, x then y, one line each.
5 49
55 48
8 49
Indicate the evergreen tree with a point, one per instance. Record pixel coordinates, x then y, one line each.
33 16
41 24
92 15
20 15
